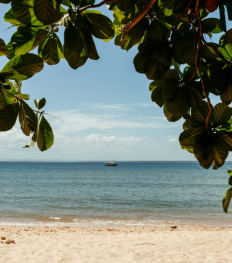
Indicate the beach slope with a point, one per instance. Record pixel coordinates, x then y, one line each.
115 244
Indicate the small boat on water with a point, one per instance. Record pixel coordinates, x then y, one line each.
111 164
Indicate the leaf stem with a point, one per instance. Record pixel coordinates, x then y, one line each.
196 63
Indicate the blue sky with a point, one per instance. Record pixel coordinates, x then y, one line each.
106 106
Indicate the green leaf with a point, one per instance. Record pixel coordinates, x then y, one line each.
45 135
228 37
220 150
24 96
190 48
27 118
22 67
156 83
193 96
23 11
73 40
172 74
225 136
178 106
3 49
230 180
221 113
170 117
135 34
164 55
26 38
186 139
222 17
139 63
100 26
226 199
9 18
200 114
229 172
157 31
154 69
40 103
8 117
73 58
212 25
170 91
47 11
157 96
178 50
51 50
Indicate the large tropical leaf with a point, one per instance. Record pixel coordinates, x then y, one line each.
47 11
45 137
27 118
8 117
22 67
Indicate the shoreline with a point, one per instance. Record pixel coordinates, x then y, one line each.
64 244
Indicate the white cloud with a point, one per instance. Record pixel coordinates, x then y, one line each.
76 121
107 107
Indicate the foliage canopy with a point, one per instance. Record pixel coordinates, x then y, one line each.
169 33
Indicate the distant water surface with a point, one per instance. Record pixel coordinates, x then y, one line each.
133 193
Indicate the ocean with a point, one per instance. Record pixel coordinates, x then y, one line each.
133 193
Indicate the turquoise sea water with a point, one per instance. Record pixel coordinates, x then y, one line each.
133 193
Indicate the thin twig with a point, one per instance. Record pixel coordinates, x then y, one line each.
98 5
196 63
216 51
179 17
18 98
54 117
135 21
193 75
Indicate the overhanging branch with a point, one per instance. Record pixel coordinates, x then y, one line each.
135 21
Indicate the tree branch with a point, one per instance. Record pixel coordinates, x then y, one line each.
135 21
197 66
98 5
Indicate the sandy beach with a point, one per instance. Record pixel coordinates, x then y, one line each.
115 244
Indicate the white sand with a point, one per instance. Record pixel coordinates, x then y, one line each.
115 244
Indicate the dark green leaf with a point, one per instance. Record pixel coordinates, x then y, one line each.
190 48
51 50
226 199
170 117
27 118
47 11
26 38
221 113
157 96
157 31
73 58
8 117
186 139
3 49
212 25
164 55
22 67
40 103
200 114
45 135
154 69
100 25
220 150
222 17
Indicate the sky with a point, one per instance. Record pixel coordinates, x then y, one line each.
106 107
